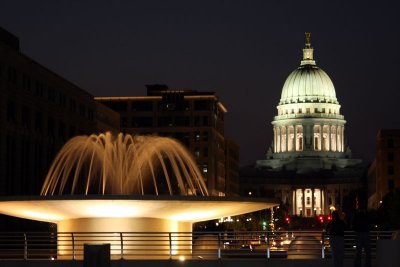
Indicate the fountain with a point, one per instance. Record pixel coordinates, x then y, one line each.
125 183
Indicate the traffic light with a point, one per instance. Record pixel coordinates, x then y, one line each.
329 218
287 219
321 218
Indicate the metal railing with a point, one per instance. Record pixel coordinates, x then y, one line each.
178 245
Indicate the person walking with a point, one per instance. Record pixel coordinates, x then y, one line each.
361 227
335 230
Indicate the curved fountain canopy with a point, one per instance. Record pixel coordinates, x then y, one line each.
123 165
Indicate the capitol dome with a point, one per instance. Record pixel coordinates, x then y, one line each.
308 83
308 123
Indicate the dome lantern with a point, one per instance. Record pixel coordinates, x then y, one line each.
308 52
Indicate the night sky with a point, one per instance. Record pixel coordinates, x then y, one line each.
243 50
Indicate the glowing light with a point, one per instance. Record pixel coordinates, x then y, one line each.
192 216
181 258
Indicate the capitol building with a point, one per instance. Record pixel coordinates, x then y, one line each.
309 166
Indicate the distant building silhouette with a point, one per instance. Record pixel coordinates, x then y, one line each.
384 172
194 118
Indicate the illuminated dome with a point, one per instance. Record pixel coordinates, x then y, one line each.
309 130
308 83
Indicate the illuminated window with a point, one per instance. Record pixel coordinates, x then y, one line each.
205 169
197 137
197 152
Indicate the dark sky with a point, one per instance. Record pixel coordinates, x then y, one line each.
243 50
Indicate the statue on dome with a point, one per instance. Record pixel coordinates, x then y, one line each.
308 38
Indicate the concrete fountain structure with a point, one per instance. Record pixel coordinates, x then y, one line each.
125 183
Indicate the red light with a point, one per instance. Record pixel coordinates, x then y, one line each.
287 219
321 218
329 218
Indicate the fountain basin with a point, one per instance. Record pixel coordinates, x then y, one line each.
121 213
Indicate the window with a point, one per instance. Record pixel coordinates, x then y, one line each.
72 105
308 200
62 100
90 115
390 157
50 127
308 110
205 136
124 122
142 121
205 120
390 170
26 82
117 105
39 88
11 110
38 122
181 121
390 184
72 131
165 121
201 105
51 94
390 143
61 130
82 110
205 169
197 136
12 75
142 106
26 120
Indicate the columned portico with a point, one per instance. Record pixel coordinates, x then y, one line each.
307 202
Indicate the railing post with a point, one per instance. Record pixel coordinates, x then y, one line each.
323 246
73 246
25 247
122 245
268 248
170 245
219 245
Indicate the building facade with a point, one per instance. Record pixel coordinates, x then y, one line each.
39 112
194 118
384 172
308 166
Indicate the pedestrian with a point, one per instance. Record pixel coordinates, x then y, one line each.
335 230
361 227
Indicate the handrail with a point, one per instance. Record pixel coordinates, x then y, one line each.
173 245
